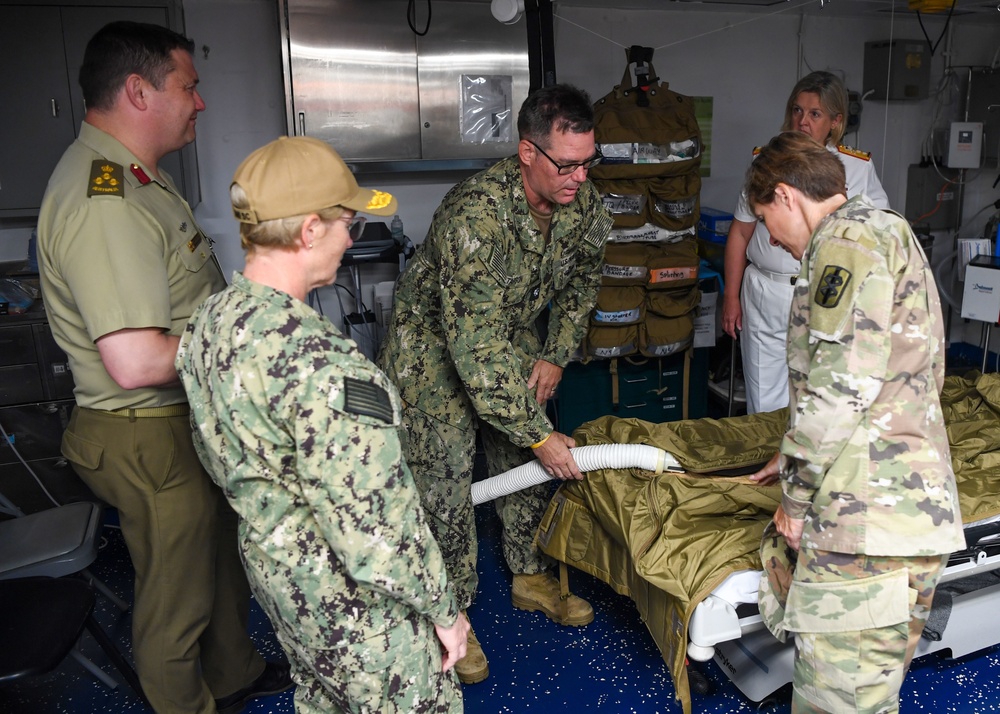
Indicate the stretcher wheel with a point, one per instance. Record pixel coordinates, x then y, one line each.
779 698
699 682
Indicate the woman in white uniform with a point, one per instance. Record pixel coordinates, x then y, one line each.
760 276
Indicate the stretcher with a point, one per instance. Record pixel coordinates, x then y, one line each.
684 547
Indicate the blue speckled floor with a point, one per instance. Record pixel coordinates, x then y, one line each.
536 667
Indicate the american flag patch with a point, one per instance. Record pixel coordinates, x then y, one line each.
498 267
367 399
599 230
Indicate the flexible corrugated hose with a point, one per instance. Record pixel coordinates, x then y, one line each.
588 458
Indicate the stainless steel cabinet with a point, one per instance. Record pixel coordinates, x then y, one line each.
41 50
358 77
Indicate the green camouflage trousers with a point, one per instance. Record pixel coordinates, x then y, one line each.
856 620
441 458
397 671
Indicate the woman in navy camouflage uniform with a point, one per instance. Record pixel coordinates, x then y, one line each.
300 431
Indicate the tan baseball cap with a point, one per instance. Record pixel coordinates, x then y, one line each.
296 175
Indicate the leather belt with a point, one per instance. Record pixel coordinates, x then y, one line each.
786 278
171 410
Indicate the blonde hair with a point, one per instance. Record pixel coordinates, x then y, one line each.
832 97
278 232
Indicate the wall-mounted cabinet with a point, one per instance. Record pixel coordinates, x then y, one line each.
387 98
41 50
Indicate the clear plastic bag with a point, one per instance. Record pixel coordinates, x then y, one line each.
18 296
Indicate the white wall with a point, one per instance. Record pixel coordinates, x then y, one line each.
746 62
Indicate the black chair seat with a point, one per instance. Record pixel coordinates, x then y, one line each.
40 621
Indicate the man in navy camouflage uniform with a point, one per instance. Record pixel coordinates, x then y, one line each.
869 509
301 432
465 351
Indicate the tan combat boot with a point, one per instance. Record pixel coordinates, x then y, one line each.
472 668
542 591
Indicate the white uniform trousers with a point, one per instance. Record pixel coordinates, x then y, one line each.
766 299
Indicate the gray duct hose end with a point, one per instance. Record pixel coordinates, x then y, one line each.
588 458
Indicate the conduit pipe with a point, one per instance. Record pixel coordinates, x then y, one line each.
588 458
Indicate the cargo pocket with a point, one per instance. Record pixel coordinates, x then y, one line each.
605 342
673 266
565 530
625 264
80 452
194 253
850 606
625 305
627 201
669 324
673 202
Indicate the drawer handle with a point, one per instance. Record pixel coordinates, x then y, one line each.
636 380
635 406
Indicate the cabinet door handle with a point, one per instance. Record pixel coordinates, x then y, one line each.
55 109
302 123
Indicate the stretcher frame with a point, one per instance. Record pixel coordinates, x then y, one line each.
734 636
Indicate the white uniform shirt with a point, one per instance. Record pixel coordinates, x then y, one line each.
861 178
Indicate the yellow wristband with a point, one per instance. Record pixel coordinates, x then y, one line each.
535 446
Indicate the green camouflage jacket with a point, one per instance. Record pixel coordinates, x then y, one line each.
463 338
300 431
866 459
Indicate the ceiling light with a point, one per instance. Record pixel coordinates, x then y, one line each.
507 11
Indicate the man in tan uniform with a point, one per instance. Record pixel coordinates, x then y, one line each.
123 265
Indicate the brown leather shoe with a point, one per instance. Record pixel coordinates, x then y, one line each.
542 591
473 668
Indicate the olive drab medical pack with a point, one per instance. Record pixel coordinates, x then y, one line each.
650 181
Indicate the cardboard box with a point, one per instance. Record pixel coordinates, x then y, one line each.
704 320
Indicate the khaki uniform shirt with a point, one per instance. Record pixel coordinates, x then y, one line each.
117 249
463 339
300 431
866 460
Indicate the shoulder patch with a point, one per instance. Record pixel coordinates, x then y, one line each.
856 153
497 266
367 399
106 179
832 285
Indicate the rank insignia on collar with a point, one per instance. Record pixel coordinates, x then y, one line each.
832 285
139 174
105 179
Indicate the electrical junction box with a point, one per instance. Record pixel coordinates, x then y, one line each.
897 69
981 300
932 197
965 145
984 106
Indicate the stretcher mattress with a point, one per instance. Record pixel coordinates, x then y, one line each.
668 541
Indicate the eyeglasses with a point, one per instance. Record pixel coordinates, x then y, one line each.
567 169
357 227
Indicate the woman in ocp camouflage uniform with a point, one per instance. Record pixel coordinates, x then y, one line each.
869 509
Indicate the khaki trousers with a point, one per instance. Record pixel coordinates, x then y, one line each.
189 619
